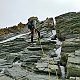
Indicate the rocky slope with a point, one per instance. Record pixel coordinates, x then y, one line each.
20 61
12 31
68 27
46 59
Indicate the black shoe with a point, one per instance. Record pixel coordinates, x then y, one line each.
32 45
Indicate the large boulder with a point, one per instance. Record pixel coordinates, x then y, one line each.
45 67
3 77
15 72
73 70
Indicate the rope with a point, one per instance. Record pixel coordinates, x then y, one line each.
41 47
57 78
56 74
49 70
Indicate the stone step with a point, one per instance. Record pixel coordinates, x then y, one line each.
73 70
3 61
34 56
74 78
74 60
3 77
31 60
15 72
19 39
35 48
45 67
42 41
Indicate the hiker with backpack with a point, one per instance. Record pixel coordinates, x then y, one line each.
32 25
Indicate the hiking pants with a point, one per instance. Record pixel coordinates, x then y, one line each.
32 34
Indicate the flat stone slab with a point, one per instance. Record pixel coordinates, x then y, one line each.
41 65
72 39
34 76
71 54
74 60
44 67
26 51
29 41
19 39
33 48
73 70
31 60
46 59
15 72
74 78
45 41
51 41
70 44
3 61
5 78
16 54
77 53
1 75
34 56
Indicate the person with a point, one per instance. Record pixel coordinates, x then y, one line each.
32 25
63 61
62 64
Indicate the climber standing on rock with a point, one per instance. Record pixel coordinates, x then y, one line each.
32 25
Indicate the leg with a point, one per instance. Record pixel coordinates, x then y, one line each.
38 34
32 33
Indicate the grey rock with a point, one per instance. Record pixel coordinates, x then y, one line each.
72 78
12 58
15 72
45 41
77 78
34 56
34 76
73 70
74 60
1 75
53 54
5 78
46 59
44 67
34 48
77 53
31 60
2 55
72 54
2 61
20 39
5 66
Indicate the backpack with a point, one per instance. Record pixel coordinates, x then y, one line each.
31 25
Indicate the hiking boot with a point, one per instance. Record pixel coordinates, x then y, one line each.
32 45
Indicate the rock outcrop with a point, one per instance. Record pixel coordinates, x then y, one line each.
12 29
68 27
48 58
21 61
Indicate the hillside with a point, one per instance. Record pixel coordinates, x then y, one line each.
55 56
68 27
12 29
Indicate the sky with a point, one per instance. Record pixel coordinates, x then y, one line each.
14 11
